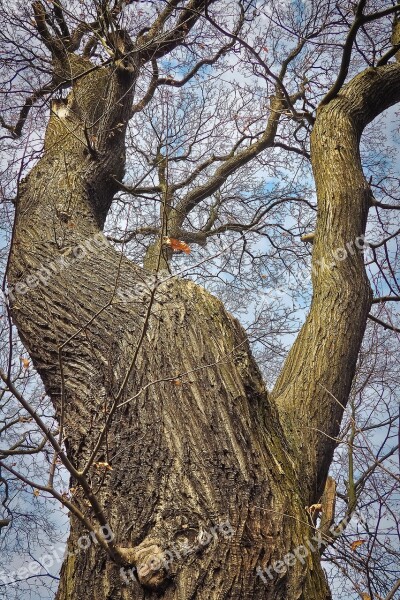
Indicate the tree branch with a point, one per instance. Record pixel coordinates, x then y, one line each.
384 206
386 299
59 15
154 44
150 91
359 21
347 51
231 165
16 129
383 242
341 291
383 323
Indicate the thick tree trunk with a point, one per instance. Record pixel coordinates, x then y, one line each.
185 457
196 442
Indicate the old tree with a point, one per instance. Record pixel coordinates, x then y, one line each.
160 117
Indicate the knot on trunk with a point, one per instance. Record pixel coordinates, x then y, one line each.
150 562
157 560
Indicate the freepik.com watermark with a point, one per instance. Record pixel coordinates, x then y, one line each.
299 553
316 543
176 552
357 246
45 273
55 556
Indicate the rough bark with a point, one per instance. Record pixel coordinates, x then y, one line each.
197 441
313 387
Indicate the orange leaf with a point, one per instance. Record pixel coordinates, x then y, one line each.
25 363
177 382
354 545
178 245
103 465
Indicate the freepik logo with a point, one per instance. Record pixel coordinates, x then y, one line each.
55 556
300 553
176 552
45 273
317 543
357 246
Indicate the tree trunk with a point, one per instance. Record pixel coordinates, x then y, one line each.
314 385
197 449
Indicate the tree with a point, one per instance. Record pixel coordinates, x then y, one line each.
164 421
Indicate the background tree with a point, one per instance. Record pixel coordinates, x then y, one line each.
164 422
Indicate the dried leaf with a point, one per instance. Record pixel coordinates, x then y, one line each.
314 509
36 493
25 419
25 362
354 545
177 382
177 245
103 465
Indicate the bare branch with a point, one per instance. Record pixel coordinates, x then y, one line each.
59 14
347 51
41 25
387 239
155 44
16 129
150 92
359 21
394 589
384 206
232 164
133 234
386 299
383 323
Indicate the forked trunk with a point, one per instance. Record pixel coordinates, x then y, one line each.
201 467
196 449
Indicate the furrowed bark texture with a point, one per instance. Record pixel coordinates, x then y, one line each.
196 442
187 455
314 385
